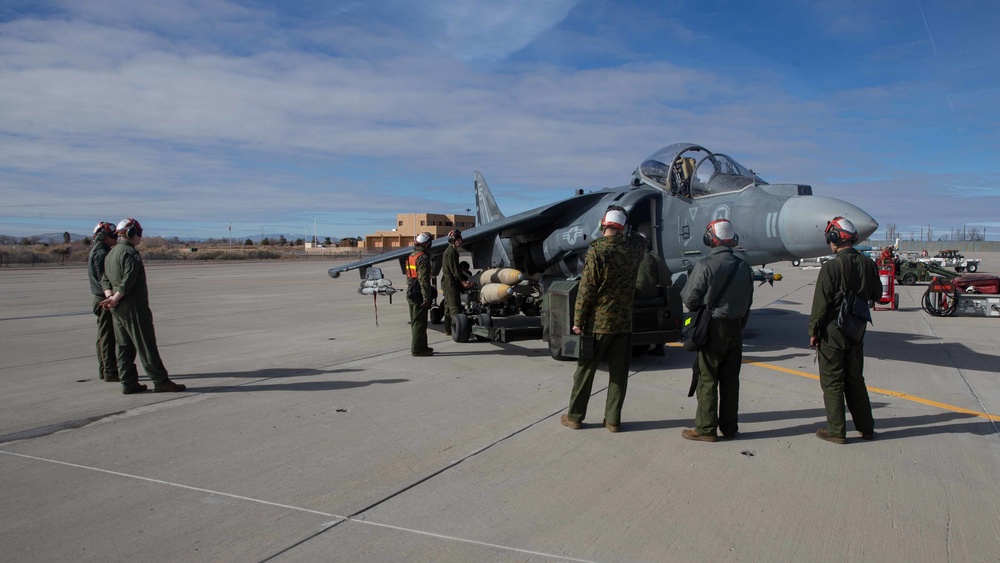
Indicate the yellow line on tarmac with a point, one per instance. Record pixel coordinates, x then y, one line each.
913 398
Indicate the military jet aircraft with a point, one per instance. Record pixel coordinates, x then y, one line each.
674 194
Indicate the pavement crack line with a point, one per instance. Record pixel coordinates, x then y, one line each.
326 526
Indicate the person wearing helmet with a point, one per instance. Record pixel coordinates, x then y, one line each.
604 309
451 279
105 235
125 280
841 361
725 282
419 293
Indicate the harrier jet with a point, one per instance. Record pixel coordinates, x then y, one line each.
673 195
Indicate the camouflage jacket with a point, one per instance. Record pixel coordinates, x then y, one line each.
607 288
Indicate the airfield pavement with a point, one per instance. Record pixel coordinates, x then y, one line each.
308 433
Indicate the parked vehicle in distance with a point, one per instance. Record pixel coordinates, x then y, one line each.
952 259
819 260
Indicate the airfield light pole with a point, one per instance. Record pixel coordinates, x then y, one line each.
315 234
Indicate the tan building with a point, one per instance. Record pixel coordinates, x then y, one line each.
409 225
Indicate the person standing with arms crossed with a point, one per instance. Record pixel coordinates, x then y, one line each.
841 361
418 277
107 360
725 280
604 308
125 279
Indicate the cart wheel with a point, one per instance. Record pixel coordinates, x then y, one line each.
895 302
909 279
796 263
461 328
973 268
484 319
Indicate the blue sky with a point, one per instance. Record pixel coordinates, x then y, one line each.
190 115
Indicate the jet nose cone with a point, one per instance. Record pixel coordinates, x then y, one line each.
802 223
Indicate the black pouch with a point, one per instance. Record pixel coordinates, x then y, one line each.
853 317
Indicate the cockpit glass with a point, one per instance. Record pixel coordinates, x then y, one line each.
693 172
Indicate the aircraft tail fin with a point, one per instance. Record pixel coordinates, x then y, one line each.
486 207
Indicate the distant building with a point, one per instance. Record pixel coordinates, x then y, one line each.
409 225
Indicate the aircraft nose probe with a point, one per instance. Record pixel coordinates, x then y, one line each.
802 223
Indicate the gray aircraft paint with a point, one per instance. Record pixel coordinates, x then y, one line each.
775 222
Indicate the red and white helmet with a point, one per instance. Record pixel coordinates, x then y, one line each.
721 231
615 218
423 239
840 231
454 234
105 230
129 227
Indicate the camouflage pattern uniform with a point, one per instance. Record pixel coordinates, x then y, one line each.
604 308
106 354
451 286
418 313
719 361
841 362
125 273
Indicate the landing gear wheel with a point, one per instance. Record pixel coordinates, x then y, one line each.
461 328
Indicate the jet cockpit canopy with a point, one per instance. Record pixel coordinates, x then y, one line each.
690 171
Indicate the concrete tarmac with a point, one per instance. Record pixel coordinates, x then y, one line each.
309 433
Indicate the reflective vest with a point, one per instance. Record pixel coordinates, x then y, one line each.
411 265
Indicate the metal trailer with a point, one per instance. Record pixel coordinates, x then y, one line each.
952 259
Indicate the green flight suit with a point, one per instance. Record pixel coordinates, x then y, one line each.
451 285
720 360
604 308
106 354
125 273
841 362
653 274
418 313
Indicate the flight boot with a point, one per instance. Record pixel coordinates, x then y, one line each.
168 386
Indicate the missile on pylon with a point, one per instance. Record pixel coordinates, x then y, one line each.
384 290
506 276
495 292
377 286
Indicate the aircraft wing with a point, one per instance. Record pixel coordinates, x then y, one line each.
535 223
